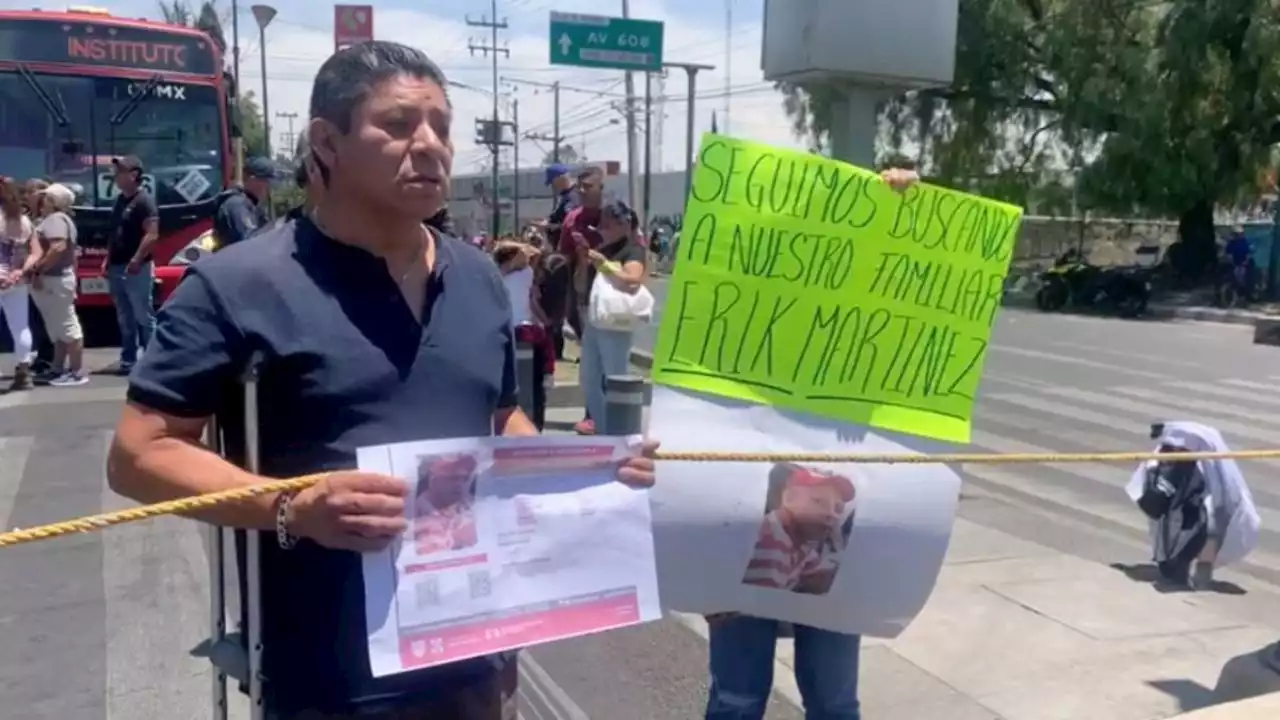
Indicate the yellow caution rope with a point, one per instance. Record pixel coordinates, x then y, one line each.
183 506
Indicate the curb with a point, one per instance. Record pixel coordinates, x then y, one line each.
1204 314
541 698
1157 311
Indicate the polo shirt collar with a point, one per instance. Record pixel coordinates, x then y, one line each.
341 254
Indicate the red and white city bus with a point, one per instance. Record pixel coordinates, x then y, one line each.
81 87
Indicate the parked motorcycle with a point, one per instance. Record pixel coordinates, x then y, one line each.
1068 280
1125 291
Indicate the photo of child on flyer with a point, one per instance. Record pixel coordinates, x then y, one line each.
443 509
808 517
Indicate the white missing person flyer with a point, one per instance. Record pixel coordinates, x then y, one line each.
848 547
511 542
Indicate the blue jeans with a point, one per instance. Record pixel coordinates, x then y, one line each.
742 653
604 353
135 313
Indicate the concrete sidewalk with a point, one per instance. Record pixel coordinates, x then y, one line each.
1017 631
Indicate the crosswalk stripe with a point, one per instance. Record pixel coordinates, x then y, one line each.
1201 405
155 585
1159 412
1113 439
1057 407
14 452
1239 395
1160 360
1082 362
1260 387
1120 511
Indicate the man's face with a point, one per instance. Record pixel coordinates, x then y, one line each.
446 488
398 155
126 179
257 187
562 183
612 229
815 508
591 187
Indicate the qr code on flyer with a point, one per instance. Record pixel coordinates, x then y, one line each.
480 584
427 593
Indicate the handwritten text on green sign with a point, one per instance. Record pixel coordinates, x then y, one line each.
808 283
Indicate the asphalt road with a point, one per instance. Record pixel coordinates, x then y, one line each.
102 626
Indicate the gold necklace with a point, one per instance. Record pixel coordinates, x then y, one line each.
424 235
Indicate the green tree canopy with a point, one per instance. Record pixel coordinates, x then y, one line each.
568 156
1166 108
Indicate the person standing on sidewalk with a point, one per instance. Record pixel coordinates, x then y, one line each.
19 252
44 346
743 647
53 287
607 351
130 273
373 329
580 230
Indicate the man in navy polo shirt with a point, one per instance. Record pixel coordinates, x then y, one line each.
374 329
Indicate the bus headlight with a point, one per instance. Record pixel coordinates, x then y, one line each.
202 246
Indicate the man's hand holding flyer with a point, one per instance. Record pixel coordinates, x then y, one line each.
511 542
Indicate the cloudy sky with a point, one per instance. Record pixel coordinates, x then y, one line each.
301 36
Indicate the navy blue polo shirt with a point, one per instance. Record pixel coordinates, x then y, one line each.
346 365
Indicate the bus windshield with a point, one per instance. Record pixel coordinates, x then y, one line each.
174 128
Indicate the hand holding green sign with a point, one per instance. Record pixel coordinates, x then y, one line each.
809 284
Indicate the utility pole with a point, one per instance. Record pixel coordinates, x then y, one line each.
555 119
648 148
235 44
492 50
290 138
691 71
515 164
633 177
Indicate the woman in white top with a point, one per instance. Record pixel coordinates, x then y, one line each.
53 286
19 252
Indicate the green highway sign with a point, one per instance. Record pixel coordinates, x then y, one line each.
605 42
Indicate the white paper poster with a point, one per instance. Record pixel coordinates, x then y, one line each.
511 542
846 547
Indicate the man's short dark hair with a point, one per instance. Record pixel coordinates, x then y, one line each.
347 78
590 172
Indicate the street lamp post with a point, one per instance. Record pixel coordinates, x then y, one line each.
264 14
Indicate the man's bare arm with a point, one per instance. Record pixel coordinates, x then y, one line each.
157 457
512 422
151 233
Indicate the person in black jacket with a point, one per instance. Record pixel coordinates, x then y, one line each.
241 211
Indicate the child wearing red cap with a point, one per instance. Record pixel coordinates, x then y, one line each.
800 540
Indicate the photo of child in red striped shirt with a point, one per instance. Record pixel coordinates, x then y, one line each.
807 521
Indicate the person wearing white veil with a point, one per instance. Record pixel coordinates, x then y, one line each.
1199 512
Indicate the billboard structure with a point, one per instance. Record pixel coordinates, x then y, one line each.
352 25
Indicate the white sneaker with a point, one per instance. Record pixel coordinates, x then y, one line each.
69 379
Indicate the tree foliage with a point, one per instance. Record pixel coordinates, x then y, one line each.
208 19
1166 108
568 155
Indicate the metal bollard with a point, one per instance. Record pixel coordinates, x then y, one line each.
253 551
524 376
624 400
217 592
